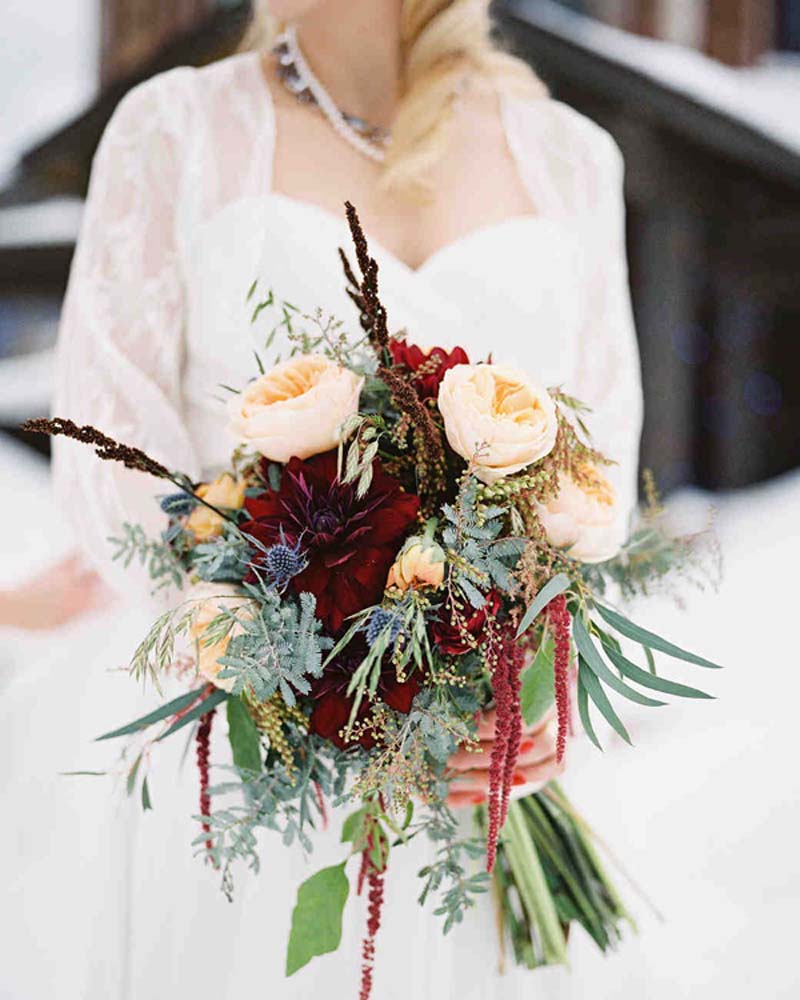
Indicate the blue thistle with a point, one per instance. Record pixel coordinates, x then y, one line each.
379 621
178 504
283 562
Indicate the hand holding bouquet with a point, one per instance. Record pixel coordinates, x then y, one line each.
397 586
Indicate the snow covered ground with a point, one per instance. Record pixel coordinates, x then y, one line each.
704 812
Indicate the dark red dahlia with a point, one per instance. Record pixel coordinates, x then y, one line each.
429 369
454 640
332 704
350 544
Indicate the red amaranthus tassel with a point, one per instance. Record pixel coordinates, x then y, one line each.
508 660
203 739
375 896
560 620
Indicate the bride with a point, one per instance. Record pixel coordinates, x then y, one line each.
496 216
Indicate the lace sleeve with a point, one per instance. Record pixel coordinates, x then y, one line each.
119 355
608 371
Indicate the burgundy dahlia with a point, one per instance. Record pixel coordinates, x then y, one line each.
428 368
454 639
349 544
332 704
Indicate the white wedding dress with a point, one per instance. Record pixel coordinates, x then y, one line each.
181 219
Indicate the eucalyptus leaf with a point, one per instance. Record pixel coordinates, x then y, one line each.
631 631
317 917
147 802
551 589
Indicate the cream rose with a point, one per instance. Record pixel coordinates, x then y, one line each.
211 600
297 408
584 517
499 410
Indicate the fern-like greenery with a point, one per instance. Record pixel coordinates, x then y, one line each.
479 557
276 648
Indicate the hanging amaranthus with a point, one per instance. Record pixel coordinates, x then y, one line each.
560 621
375 908
506 659
203 740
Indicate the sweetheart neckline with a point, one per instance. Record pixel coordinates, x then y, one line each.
383 253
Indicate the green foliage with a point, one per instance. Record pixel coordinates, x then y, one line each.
317 917
557 585
538 683
548 839
244 737
161 558
159 714
448 875
479 557
272 799
204 706
277 647
223 560
156 652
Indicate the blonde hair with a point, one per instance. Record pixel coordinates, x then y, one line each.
446 44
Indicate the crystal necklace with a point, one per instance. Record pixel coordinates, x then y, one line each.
299 79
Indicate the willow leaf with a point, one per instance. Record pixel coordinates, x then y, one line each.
595 691
631 631
164 712
595 662
585 714
551 589
648 680
206 705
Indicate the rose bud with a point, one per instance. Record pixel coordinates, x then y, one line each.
226 493
419 564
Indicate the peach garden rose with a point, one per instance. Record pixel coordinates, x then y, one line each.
584 517
296 409
501 411
210 600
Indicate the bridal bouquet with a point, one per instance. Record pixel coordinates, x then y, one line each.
409 553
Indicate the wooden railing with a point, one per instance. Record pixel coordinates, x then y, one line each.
714 249
737 32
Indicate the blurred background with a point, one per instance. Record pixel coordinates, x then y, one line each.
703 96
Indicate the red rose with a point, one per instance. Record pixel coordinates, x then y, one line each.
451 639
428 368
349 544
